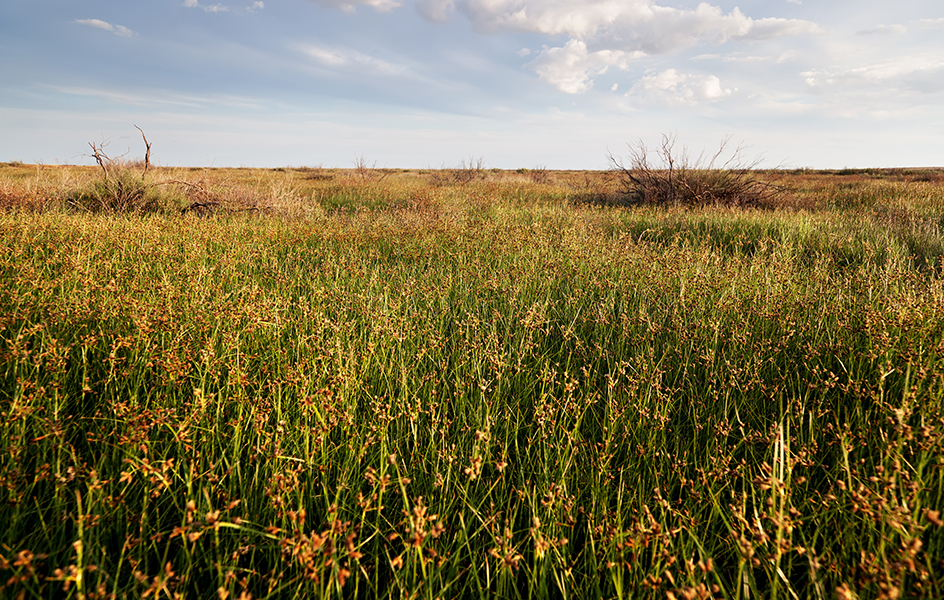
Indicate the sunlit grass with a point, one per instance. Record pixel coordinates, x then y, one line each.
388 386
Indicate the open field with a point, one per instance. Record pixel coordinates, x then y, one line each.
443 384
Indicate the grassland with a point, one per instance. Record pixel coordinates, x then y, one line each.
414 384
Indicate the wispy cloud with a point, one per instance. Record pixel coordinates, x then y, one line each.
923 74
119 30
157 98
351 5
884 30
210 8
346 59
739 57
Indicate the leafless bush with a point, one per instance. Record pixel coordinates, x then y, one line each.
538 174
362 169
368 171
469 170
722 179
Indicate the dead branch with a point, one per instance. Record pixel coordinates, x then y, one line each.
98 153
203 194
147 154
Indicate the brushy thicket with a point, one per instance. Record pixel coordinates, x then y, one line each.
392 387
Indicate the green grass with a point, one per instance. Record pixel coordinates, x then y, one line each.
389 388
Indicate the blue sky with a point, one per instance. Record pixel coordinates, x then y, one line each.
429 83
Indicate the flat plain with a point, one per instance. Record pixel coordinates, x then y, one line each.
468 383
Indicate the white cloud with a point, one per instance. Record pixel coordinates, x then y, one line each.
677 89
884 30
118 30
628 25
570 68
256 6
351 5
932 22
607 32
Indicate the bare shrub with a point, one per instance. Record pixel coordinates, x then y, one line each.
723 179
366 171
469 170
539 175
362 169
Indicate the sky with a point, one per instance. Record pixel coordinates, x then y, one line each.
560 84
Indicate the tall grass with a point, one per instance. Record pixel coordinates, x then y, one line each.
472 391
